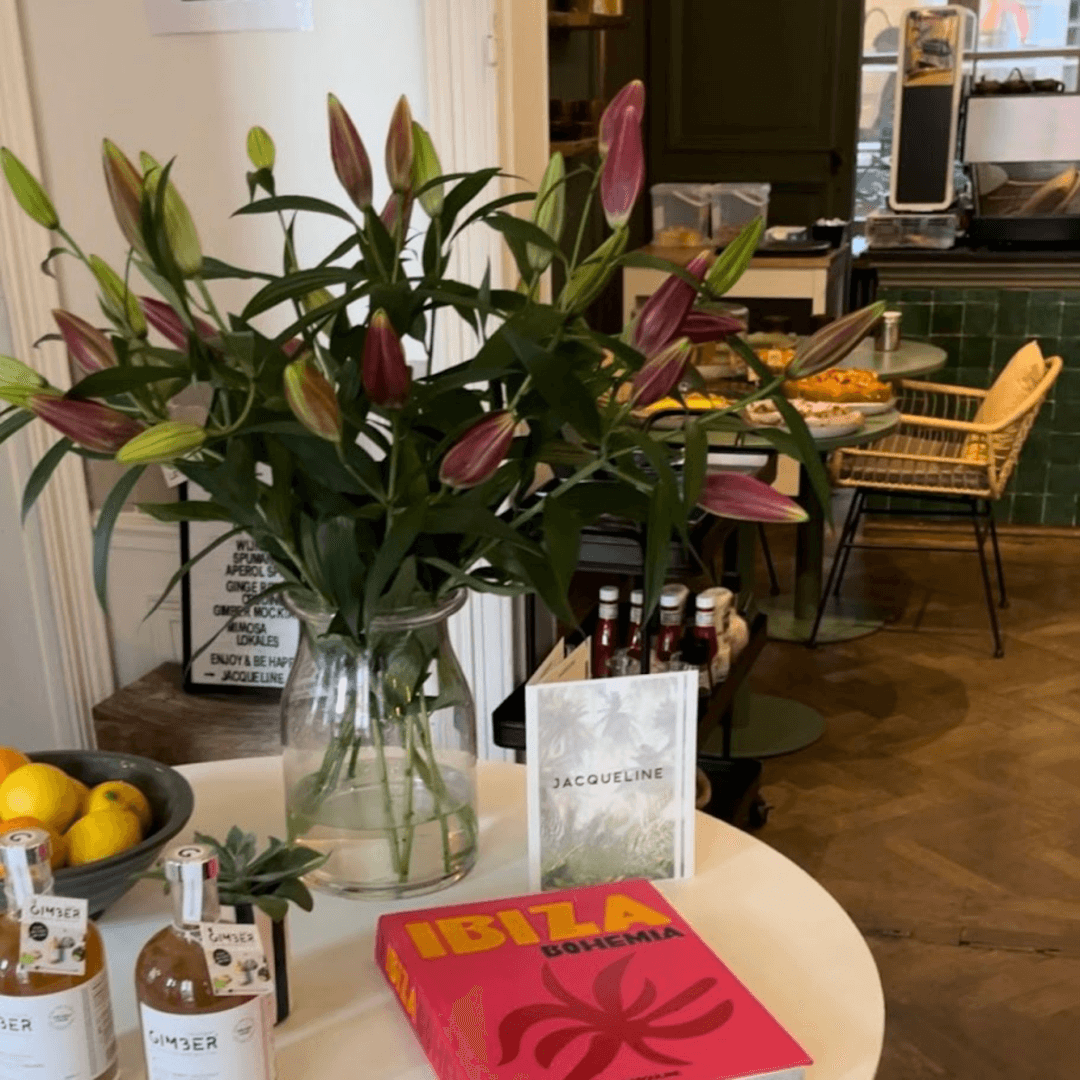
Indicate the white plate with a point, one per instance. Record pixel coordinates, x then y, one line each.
870 408
833 431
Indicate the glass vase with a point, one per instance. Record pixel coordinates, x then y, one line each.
380 753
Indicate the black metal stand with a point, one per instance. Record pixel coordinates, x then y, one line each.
981 513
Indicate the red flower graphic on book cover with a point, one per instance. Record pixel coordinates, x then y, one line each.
611 1024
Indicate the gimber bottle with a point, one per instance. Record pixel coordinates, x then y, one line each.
189 1033
52 1026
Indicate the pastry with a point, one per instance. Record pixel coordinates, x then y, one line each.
836 385
776 358
818 414
776 351
693 402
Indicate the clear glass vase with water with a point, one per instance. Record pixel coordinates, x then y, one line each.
380 752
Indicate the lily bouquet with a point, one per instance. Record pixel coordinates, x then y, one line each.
374 487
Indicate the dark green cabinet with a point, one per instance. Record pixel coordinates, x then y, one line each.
762 90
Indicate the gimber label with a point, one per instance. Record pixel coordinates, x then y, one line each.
236 959
52 935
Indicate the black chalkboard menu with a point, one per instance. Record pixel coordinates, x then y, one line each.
254 652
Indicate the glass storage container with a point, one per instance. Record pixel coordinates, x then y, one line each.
734 206
681 214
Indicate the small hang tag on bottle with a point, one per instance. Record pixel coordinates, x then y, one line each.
52 936
236 959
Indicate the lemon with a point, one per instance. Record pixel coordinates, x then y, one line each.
10 760
102 834
58 857
119 794
42 792
83 793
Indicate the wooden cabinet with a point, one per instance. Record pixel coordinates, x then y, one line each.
757 90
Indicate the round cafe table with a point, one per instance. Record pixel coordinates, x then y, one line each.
791 616
779 931
912 360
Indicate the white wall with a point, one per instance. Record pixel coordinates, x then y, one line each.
98 72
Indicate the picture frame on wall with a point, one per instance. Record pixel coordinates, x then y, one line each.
253 651
221 16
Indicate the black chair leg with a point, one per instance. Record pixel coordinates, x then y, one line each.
858 505
847 537
770 566
980 541
1004 602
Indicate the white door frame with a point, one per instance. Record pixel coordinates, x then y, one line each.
461 54
80 674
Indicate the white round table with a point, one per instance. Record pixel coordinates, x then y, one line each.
780 932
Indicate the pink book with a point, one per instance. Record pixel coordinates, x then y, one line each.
600 983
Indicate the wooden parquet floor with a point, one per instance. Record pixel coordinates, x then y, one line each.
942 806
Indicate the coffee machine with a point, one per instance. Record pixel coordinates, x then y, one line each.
1022 149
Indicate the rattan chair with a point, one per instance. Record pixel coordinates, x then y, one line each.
940 453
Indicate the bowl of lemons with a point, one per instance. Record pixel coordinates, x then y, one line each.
108 815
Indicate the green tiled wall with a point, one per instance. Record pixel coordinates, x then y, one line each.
980 329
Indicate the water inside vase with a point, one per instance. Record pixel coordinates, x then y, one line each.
386 835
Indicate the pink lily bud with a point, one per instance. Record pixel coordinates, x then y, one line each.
705 326
170 326
631 96
383 368
397 213
661 373
667 308
743 498
399 146
833 342
312 399
292 348
479 452
88 347
351 162
87 423
125 184
624 170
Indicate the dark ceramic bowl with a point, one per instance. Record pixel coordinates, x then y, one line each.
171 803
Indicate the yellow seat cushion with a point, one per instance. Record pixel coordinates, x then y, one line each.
1022 374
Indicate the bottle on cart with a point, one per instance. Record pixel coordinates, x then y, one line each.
189 1031
670 634
705 630
695 654
55 1012
682 597
605 639
635 635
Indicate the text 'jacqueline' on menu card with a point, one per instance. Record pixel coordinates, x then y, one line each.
611 771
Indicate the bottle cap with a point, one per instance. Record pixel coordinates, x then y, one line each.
187 862
705 603
637 598
609 594
669 600
35 845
